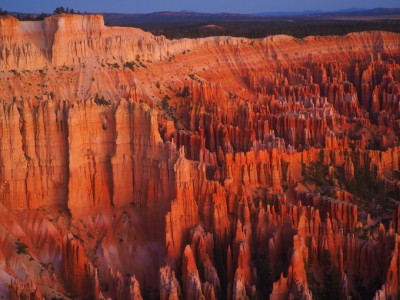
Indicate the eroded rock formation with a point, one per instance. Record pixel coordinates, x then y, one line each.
132 166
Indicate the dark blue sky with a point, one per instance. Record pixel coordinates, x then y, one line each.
237 6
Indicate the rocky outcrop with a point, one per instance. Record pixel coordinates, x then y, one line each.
169 285
89 132
59 41
190 276
295 285
390 289
348 169
216 168
127 288
19 291
75 267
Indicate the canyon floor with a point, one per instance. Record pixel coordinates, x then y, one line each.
137 167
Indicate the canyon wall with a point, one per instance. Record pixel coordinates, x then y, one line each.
220 168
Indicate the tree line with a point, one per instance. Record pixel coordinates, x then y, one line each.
41 16
298 28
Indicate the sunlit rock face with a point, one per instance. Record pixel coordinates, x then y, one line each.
136 167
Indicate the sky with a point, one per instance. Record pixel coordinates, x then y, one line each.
232 6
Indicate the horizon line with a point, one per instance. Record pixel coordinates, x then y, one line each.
307 11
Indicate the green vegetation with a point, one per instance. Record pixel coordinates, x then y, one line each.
366 292
317 173
40 16
296 27
184 93
15 72
364 186
165 99
114 65
332 278
167 108
32 17
327 287
264 276
232 95
21 247
362 233
367 188
65 10
256 201
313 283
130 65
101 101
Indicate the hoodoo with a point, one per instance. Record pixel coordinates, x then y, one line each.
137 167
